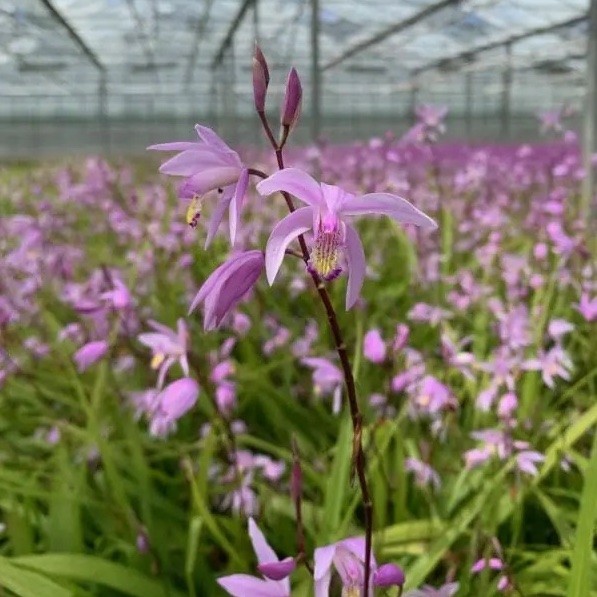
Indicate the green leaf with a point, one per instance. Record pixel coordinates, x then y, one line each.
91 569
583 544
337 486
25 583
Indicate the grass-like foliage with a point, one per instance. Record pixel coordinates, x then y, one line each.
473 349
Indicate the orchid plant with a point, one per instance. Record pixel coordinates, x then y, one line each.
333 246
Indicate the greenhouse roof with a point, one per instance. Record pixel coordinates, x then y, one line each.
168 46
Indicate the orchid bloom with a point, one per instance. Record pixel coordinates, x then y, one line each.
226 286
348 558
327 379
276 572
167 347
326 213
89 354
207 166
174 401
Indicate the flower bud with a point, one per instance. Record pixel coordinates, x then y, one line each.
291 108
260 79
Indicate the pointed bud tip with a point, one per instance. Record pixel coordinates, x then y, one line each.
260 79
292 99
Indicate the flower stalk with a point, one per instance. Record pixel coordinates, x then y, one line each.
358 465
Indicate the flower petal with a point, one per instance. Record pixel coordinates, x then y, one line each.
389 205
322 585
277 570
242 585
211 138
193 161
265 554
236 203
293 181
285 231
218 214
237 282
355 257
322 558
174 146
212 282
213 178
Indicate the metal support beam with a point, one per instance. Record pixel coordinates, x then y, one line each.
75 36
506 91
238 19
201 27
509 41
392 29
256 34
315 73
389 31
590 116
143 40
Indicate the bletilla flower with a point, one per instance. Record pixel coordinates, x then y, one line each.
374 347
167 347
89 354
227 285
347 557
327 213
552 364
587 306
276 572
208 165
327 379
175 400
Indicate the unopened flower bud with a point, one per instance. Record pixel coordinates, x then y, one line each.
260 79
291 108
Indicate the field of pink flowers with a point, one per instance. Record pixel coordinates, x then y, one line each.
175 419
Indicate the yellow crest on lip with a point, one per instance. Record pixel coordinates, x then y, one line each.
157 360
194 211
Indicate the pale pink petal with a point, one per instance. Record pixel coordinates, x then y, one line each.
236 203
322 558
355 257
174 146
218 214
293 181
164 370
192 161
285 231
357 546
243 585
322 585
212 139
239 280
213 178
389 205
265 554
212 281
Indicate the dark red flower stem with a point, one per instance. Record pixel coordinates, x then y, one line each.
358 456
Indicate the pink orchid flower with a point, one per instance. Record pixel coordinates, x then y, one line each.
327 213
167 347
208 165
276 572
